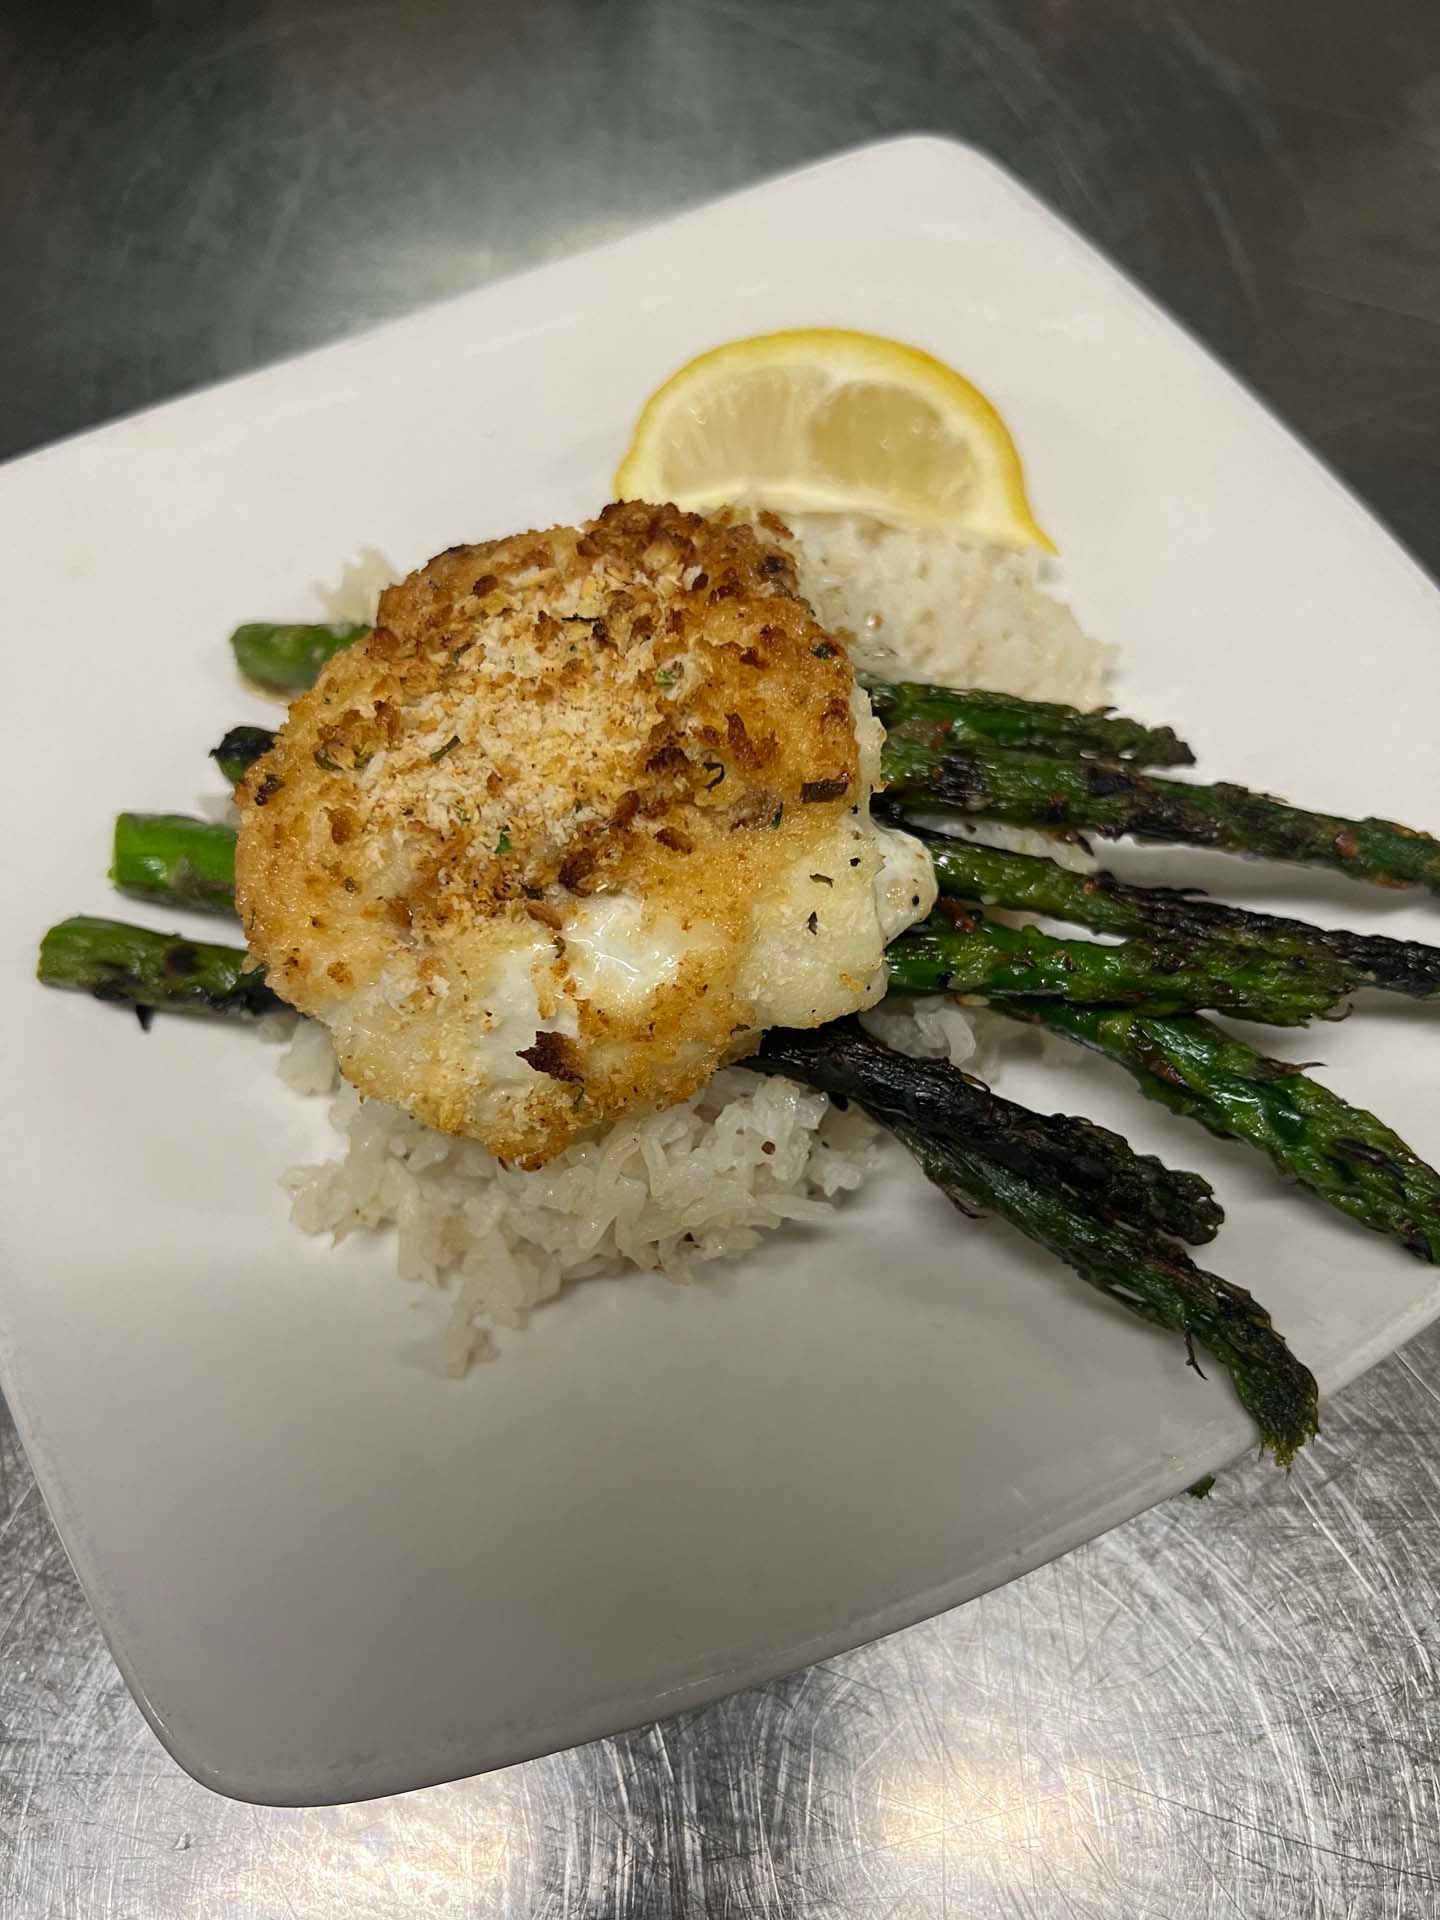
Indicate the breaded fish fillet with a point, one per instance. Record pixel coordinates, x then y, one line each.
585 813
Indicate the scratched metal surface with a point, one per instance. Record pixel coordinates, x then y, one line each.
1220 1709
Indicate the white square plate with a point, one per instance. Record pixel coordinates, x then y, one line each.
328 1573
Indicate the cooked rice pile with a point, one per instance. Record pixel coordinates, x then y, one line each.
914 604
669 1191
666 1191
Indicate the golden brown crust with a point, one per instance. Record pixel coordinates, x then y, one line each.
643 705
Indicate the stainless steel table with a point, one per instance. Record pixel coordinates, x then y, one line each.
1221 1709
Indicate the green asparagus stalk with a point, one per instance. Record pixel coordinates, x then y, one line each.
1344 1155
983 960
1032 883
287 657
145 970
1147 1275
1099 1169
171 858
240 749
943 717
1088 796
1151 1278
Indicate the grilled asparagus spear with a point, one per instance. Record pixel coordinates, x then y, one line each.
947 717
1032 883
1043 790
980 959
1344 1155
135 967
1147 1275
288 656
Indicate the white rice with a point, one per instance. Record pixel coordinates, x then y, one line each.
914 603
355 595
663 1191
666 1192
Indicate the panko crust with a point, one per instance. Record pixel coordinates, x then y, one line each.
643 705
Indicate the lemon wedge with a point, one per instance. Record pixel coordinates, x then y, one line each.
825 420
